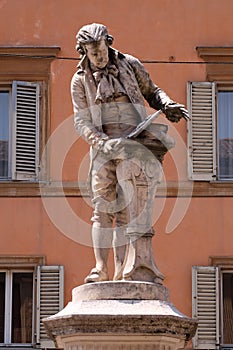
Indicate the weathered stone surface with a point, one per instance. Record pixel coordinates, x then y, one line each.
120 290
101 309
122 317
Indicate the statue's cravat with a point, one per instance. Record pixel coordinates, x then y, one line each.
108 84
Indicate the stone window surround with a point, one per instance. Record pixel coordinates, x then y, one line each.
26 63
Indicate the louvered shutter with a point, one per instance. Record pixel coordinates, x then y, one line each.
50 299
205 297
201 131
25 136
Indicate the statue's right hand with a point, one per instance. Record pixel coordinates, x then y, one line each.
112 145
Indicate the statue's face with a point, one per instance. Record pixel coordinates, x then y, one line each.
98 53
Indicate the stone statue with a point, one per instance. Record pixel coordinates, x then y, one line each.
108 93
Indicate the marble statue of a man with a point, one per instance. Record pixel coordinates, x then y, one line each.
108 93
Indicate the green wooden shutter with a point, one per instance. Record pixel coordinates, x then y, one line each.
50 299
201 131
25 135
205 302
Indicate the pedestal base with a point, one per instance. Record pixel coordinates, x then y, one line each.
120 316
122 342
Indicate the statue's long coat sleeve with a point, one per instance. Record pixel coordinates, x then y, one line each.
136 82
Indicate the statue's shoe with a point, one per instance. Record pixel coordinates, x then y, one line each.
96 276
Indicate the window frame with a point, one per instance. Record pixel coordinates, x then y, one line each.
219 69
8 306
41 173
37 264
218 63
29 64
7 87
217 266
202 107
221 86
223 271
14 117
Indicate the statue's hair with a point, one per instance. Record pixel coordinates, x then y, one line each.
91 33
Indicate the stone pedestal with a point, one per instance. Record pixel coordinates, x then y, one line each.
121 315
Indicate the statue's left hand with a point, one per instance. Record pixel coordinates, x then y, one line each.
175 111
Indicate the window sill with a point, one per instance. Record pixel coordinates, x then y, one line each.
22 347
213 189
17 346
39 189
222 182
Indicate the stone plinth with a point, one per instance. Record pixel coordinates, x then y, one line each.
120 315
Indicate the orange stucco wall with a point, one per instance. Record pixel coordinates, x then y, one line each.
150 30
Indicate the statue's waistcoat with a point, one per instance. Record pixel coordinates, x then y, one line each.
127 79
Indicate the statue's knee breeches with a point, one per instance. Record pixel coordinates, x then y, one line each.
108 198
124 190
139 179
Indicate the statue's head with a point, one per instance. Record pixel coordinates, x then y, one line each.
94 40
92 33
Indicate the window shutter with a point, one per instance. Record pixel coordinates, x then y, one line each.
205 298
201 131
25 136
50 299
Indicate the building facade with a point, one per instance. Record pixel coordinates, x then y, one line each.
187 47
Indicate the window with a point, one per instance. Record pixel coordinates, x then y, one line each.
210 131
225 134
27 295
24 112
213 306
227 307
19 135
4 132
17 294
